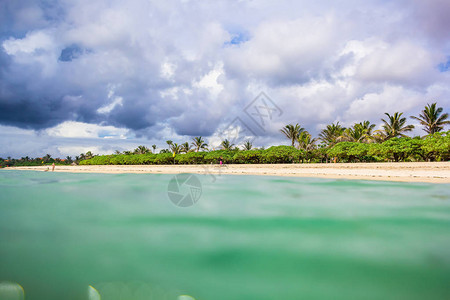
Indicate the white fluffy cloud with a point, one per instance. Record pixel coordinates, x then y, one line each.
72 129
402 63
31 43
292 51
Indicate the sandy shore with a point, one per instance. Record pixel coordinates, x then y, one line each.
435 172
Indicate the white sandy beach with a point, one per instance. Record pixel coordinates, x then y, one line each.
435 172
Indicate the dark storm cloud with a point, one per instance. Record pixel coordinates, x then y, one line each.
61 72
196 124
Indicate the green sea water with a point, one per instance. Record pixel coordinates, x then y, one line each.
247 237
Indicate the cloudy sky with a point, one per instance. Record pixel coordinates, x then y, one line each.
78 75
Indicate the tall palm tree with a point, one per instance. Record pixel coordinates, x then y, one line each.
227 145
395 126
154 147
199 143
185 147
175 148
292 132
248 145
306 142
169 142
332 134
431 119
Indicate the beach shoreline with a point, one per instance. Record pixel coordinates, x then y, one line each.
432 172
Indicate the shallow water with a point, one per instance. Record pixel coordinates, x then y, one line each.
247 237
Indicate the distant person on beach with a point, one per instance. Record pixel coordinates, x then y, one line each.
53 167
220 161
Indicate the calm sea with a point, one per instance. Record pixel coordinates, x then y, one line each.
119 236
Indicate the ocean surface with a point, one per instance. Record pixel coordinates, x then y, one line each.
124 236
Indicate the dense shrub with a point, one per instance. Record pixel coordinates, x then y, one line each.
190 158
400 149
437 146
215 156
164 159
98 160
433 147
316 155
146 159
248 157
281 154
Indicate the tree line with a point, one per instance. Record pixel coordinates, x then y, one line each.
45 160
431 118
358 143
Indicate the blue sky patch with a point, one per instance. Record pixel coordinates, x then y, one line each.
444 67
238 38
70 53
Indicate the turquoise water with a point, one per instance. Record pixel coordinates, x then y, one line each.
247 237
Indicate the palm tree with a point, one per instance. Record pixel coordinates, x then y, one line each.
395 126
154 147
359 132
368 128
141 150
248 145
332 134
117 152
431 119
353 134
175 148
47 157
227 145
292 132
169 142
305 141
185 147
199 143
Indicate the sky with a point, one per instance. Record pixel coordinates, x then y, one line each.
79 75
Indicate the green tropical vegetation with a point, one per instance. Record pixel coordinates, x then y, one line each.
292 132
332 134
431 119
395 126
248 145
227 145
357 143
38 161
199 144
